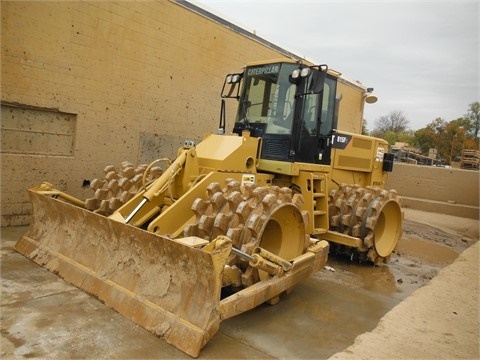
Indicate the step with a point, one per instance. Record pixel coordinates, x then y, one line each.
319 231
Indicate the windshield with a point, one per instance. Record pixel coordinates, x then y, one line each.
268 97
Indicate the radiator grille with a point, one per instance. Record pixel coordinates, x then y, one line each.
354 162
276 149
362 143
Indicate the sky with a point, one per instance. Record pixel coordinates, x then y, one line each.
421 57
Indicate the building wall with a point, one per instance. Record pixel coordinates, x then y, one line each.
350 114
90 84
128 81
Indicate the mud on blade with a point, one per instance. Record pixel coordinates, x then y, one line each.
168 288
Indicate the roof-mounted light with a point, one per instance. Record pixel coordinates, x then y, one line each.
306 71
295 74
300 73
233 78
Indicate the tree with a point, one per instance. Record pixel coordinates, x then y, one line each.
433 137
448 138
393 128
395 122
455 136
364 127
393 137
473 121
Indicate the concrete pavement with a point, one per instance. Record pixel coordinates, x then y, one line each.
42 316
438 321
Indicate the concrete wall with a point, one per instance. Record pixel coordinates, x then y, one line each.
436 189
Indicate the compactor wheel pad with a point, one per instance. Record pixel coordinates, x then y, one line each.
118 186
371 214
251 216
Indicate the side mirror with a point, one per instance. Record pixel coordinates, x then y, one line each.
315 75
317 81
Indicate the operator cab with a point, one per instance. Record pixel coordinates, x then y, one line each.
291 106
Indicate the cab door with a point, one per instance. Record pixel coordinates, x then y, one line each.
315 124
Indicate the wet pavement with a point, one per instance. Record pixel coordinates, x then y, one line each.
42 316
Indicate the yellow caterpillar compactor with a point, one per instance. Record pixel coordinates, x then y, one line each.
232 222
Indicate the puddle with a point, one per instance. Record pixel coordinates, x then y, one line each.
414 263
426 251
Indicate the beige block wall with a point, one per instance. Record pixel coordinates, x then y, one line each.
138 77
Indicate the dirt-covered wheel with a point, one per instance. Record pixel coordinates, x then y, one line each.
252 216
372 214
119 185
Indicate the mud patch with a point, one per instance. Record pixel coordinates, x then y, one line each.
457 242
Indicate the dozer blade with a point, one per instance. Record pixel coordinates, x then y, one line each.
170 289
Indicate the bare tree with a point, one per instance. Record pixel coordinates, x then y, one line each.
395 122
